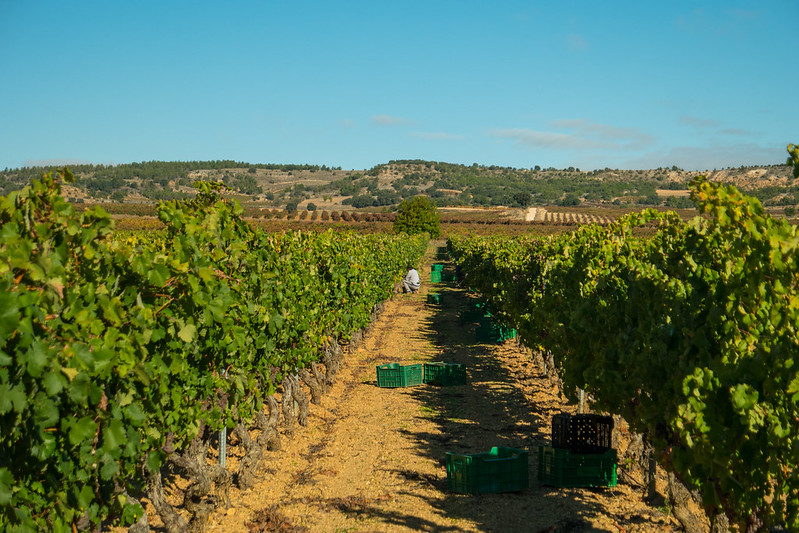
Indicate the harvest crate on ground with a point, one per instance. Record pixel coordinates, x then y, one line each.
562 468
433 298
435 276
502 469
582 433
444 374
397 375
488 332
437 267
476 310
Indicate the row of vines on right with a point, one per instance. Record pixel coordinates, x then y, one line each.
687 329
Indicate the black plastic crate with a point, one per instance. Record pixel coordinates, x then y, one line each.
582 433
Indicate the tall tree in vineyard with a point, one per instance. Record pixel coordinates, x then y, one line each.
418 215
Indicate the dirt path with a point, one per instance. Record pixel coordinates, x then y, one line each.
372 459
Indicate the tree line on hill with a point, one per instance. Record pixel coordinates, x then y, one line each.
386 185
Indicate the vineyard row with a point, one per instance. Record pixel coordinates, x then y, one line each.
123 354
689 334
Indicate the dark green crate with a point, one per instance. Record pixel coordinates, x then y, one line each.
437 267
435 276
444 374
500 470
397 375
561 468
447 276
474 312
433 298
488 332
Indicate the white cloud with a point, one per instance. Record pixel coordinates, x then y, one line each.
704 124
708 157
633 138
576 42
581 135
735 132
388 120
697 122
539 139
55 162
429 136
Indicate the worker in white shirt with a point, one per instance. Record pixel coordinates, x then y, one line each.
411 281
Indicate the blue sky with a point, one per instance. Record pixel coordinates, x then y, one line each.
590 84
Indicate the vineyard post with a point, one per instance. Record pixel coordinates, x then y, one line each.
222 446
223 437
581 404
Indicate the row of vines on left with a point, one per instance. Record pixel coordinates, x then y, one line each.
118 351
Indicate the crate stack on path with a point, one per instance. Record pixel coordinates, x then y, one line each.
438 274
581 454
436 269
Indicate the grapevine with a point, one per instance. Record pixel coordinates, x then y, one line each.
119 353
689 334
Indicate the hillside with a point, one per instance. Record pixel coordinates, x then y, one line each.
383 187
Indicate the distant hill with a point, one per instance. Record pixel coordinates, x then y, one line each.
384 186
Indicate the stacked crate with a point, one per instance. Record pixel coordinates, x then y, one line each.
581 454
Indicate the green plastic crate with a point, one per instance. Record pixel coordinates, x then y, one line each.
433 298
444 374
397 375
435 276
475 311
500 470
437 267
559 467
488 332
447 276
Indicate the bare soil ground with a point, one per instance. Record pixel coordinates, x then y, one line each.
373 459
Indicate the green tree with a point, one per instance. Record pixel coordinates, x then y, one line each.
418 215
793 159
523 198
